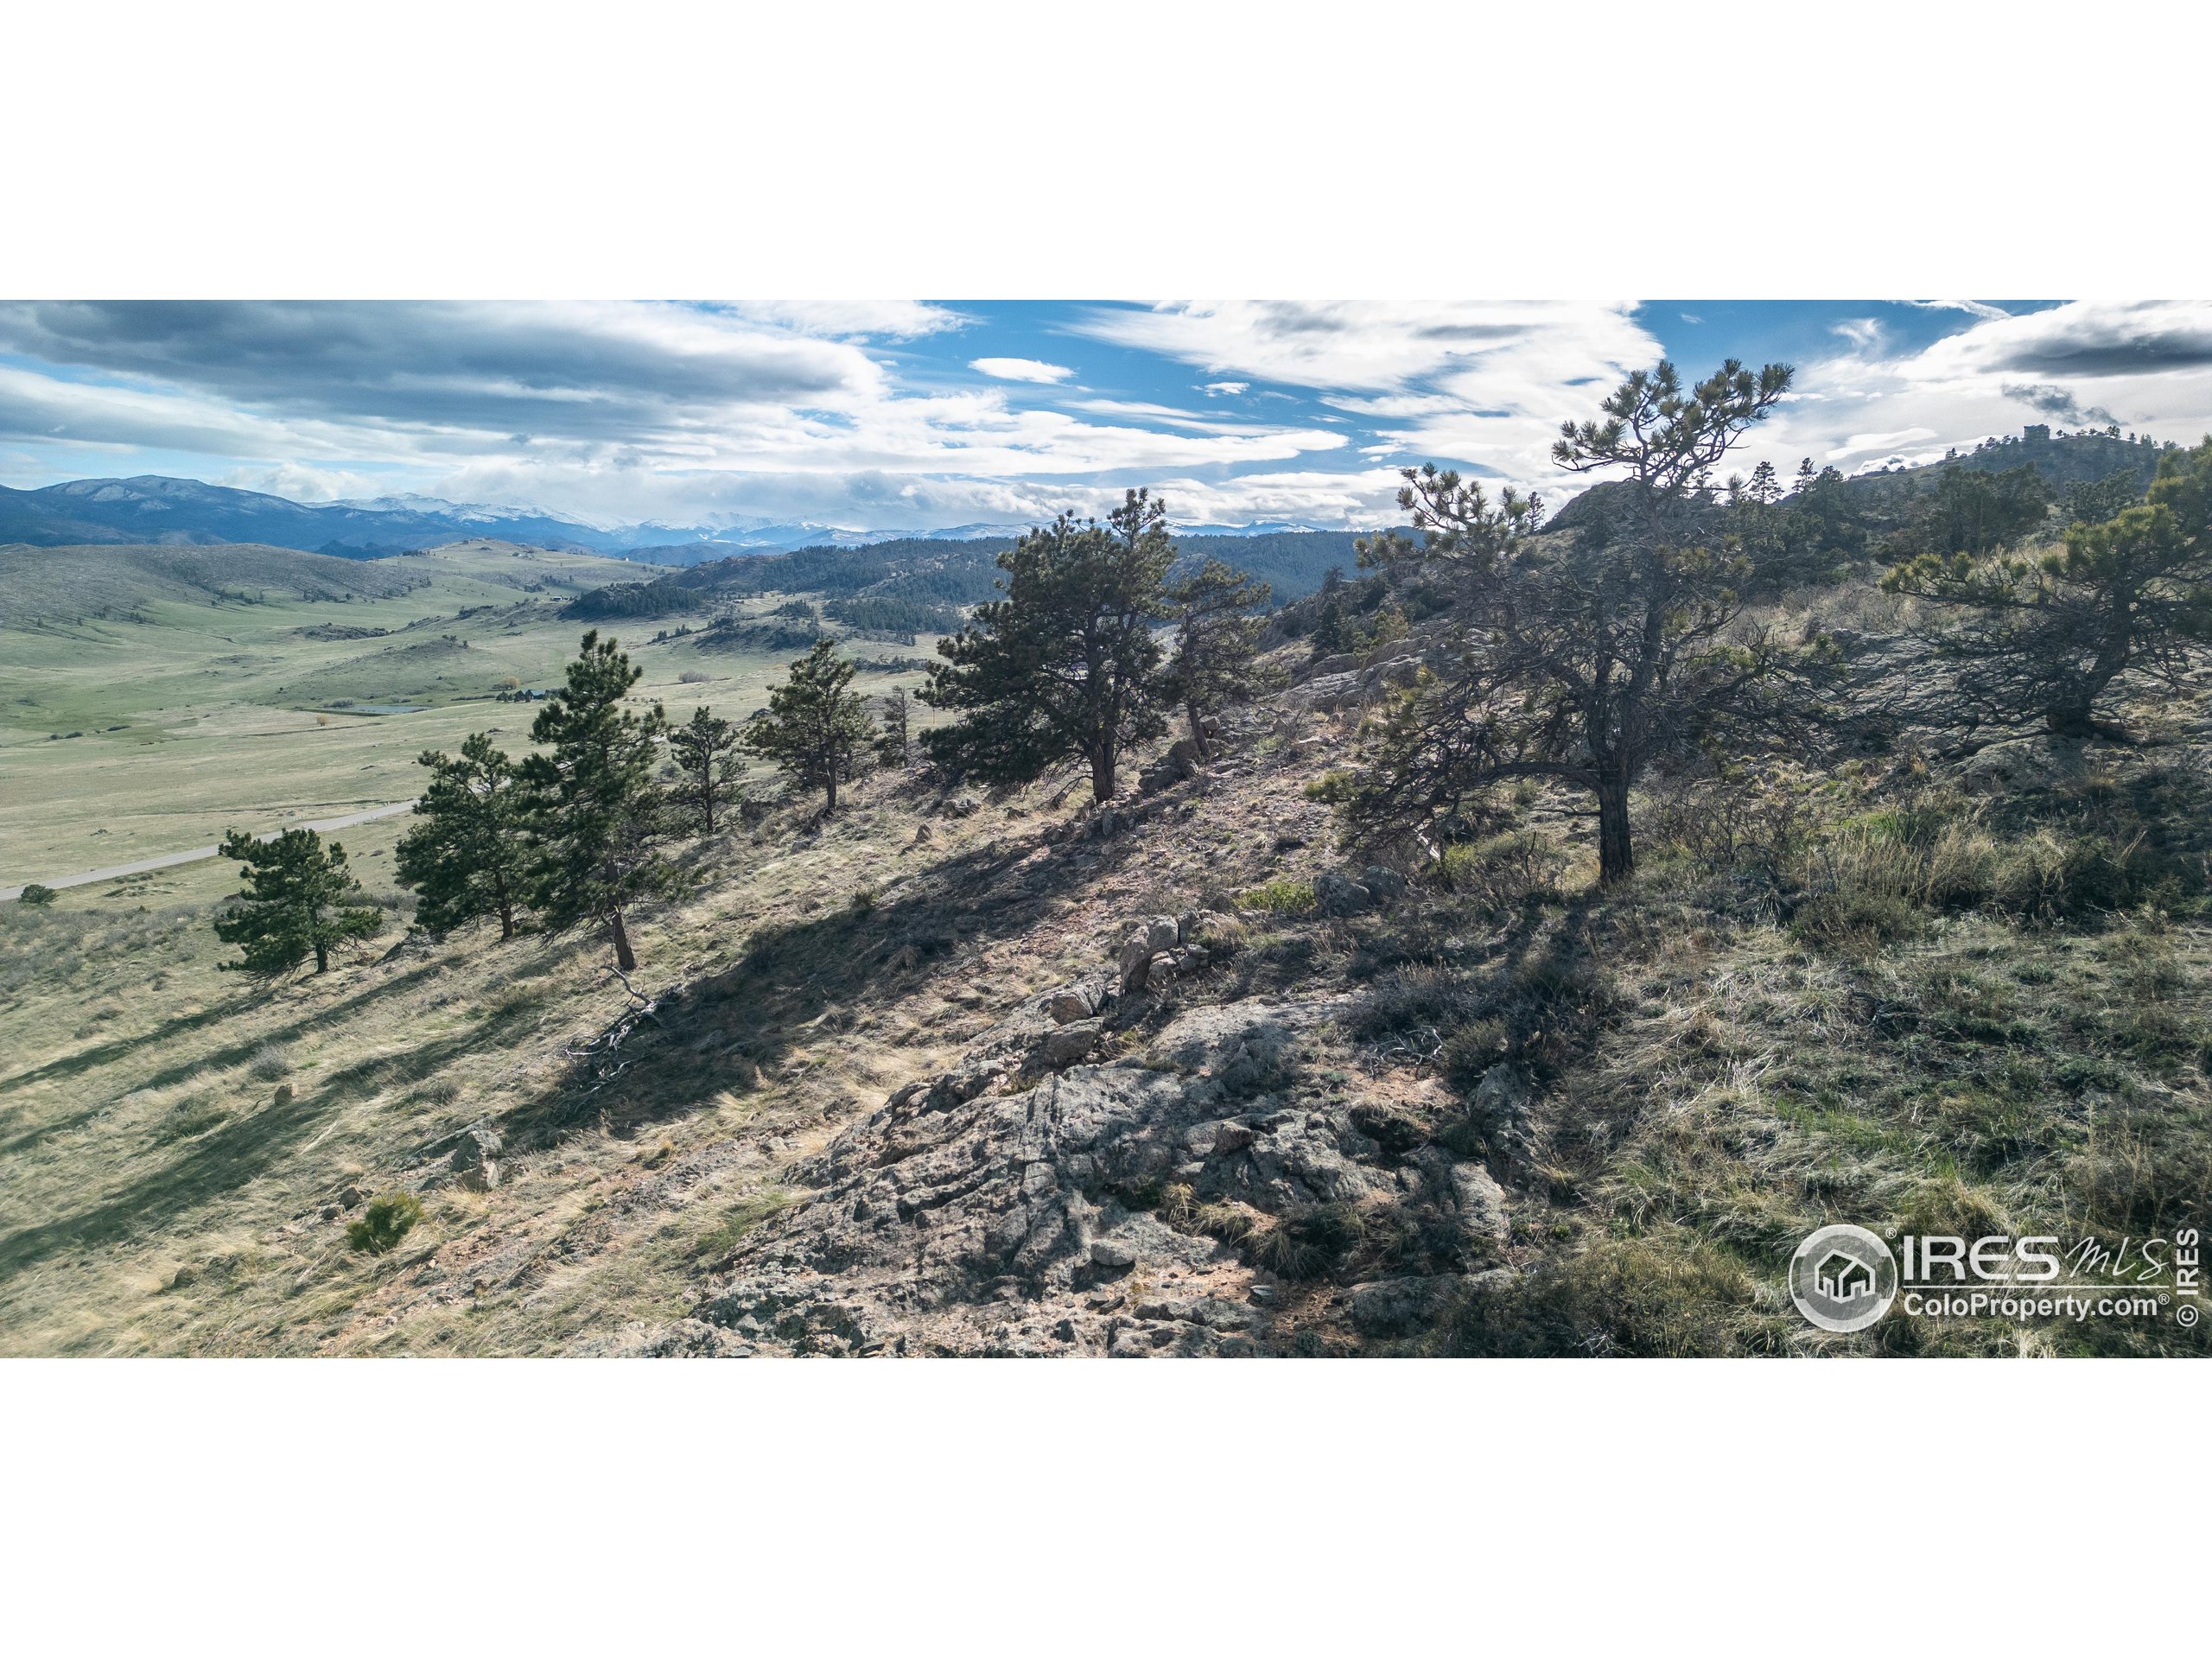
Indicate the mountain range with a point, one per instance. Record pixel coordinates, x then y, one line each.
153 509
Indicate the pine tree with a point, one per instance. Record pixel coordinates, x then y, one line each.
1217 643
1065 666
596 818
2044 640
467 857
705 781
816 728
299 900
1588 662
895 747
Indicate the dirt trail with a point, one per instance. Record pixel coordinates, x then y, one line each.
165 860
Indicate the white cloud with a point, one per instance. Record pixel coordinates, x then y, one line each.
852 319
613 411
1971 307
1021 368
296 482
2145 367
1484 382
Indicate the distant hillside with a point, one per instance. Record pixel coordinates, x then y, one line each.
139 511
956 573
2061 460
146 510
67 584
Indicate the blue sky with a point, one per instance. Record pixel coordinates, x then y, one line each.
914 414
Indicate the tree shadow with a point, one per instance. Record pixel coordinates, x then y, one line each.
240 1151
70 1066
800 981
233 1053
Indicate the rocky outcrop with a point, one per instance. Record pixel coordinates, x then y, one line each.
1028 1201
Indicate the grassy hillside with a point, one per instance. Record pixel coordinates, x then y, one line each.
957 573
55 587
182 691
1966 993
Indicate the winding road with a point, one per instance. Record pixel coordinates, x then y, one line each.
197 853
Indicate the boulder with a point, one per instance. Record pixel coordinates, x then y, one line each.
1145 943
1500 1107
475 1160
1340 895
1397 1307
1384 883
1072 1004
1324 694
1072 1042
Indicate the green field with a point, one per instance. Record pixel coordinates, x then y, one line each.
220 698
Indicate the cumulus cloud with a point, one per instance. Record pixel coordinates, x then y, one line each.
1485 382
2147 366
1021 368
870 414
2055 400
295 482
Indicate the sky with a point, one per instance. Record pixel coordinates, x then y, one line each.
910 414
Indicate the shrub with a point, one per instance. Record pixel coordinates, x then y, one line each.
389 1218
1855 917
692 676
743 1217
1309 1243
1501 871
272 1063
1664 1296
187 1119
34 893
1282 896
1876 879
1333 787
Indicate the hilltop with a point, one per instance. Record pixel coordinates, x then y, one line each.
1293 563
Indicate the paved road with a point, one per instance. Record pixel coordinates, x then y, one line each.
199 853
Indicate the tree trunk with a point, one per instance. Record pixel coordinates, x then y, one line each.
1198 729
624 957
1616 857
322 956
2070 719
829 791
505 905
1102 776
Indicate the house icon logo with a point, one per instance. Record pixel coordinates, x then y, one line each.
1843 1278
